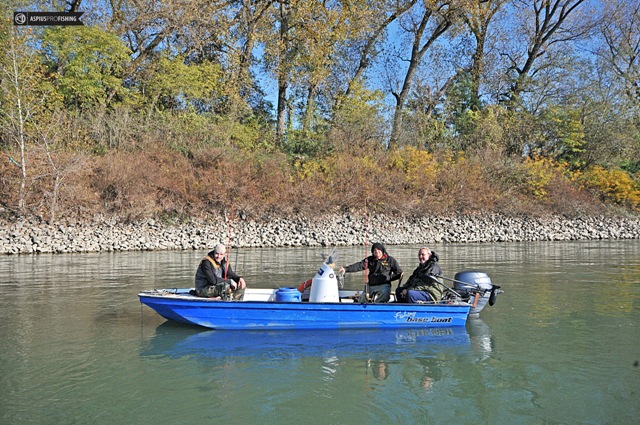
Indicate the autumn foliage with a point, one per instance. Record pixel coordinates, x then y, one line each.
309 107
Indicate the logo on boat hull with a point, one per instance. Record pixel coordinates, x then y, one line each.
410 317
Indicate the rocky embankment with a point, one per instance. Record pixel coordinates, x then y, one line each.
28 237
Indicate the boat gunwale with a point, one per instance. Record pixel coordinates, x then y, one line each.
296 305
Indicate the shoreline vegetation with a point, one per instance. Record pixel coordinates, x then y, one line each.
145 129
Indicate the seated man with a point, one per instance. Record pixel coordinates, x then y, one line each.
422 286
216 279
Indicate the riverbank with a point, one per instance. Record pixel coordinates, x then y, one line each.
32 237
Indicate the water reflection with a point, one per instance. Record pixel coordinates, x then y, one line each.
378 360
480 337
179 341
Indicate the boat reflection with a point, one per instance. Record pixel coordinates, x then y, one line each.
480 337
175 340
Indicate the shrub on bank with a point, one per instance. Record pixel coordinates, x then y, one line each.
611 185
166 170
165 183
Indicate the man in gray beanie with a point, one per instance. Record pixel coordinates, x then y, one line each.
216 279
383 269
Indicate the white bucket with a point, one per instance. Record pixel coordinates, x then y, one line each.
324 286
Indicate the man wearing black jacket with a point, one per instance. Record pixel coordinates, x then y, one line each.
382 268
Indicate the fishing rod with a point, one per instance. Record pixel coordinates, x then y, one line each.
226 266
477 287
450 289
366 256
457 281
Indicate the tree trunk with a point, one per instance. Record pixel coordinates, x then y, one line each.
252 17
310 107
21 126
283 81
282 107
368 47
417 53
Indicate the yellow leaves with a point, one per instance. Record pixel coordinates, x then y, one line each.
306 169
613 185
419 166
539 173
360 104
421 170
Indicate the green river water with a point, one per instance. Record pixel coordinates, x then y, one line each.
560 346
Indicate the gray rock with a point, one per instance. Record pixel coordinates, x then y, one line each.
25 237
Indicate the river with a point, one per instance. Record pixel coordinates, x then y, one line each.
560 346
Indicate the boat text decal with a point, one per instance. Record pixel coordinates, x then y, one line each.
410 317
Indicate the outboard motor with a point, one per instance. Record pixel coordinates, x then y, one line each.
324 286
471 283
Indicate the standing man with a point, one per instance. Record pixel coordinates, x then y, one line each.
383 269
216 279
423 286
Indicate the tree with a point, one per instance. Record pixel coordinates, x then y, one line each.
478 15
249 17
154 31
373 24
24 91
423 28
545 25
171 83
620 33
299 52
609 116
87 65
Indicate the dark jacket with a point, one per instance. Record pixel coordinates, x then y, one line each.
210 273
381 272
420 280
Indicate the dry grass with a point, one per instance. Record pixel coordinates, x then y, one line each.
161 182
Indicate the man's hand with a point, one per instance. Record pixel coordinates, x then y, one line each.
241 284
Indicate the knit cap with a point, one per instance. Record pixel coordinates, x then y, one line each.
379 246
